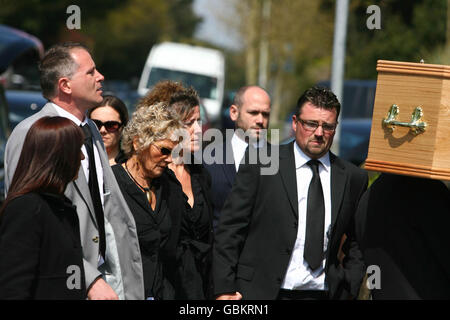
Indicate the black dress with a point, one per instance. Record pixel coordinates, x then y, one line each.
192 237
40 249
153 228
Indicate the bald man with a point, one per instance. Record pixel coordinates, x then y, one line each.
250 113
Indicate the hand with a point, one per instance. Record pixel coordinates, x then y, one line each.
230 296
100 290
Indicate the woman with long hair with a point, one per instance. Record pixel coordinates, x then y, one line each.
40 246
190 189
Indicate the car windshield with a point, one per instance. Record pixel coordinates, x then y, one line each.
205 86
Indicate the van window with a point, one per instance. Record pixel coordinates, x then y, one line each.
205 86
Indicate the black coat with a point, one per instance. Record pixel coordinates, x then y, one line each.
176 252
40 249
153 228
188 251
402 227
223 174
258 229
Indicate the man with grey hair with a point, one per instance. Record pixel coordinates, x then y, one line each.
250 113
111 254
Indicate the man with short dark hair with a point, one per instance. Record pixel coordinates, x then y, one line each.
279 235
111 255
250 112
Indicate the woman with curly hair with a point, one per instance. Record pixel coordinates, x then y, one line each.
147 145
188 250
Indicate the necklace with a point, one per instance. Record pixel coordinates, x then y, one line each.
146 190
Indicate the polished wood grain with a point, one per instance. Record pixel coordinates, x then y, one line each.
410 85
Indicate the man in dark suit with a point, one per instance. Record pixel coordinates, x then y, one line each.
111 254
250 112
279 235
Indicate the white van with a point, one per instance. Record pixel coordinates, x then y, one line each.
201 68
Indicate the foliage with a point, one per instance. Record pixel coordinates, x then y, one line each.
119 32
410 30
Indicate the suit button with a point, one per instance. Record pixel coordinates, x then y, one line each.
288 251
295 225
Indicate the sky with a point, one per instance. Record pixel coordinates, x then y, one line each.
213 28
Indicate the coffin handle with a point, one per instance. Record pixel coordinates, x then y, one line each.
416 125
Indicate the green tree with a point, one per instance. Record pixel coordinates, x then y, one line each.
119 32
410 30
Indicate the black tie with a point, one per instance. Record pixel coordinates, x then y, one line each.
315 219
93 188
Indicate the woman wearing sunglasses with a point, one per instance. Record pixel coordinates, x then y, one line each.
188 250
40 247
110 117
147 145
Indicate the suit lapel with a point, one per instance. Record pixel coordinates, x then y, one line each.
229 168
288 175
82 186
338 182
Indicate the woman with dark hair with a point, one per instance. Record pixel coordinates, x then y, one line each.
111 116
40 246
190 189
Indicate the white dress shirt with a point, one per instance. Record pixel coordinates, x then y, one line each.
299 276
85 162
239 147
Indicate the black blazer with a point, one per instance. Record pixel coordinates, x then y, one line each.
153 229
222 175
188 252
40 249
258 228
402 227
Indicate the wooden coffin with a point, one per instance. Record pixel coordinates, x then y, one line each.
410 132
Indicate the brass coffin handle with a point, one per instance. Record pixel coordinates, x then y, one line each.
416 125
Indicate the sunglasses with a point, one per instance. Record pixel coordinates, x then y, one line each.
164 151
110 126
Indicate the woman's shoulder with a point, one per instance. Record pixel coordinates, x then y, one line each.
27 200
119 171
201 173
25 206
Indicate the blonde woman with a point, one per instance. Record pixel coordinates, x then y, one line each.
147 145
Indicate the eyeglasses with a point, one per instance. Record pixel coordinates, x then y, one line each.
310 125
164 151
110 126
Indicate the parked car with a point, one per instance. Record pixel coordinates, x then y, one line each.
19 54
4 134
202 68
23 104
